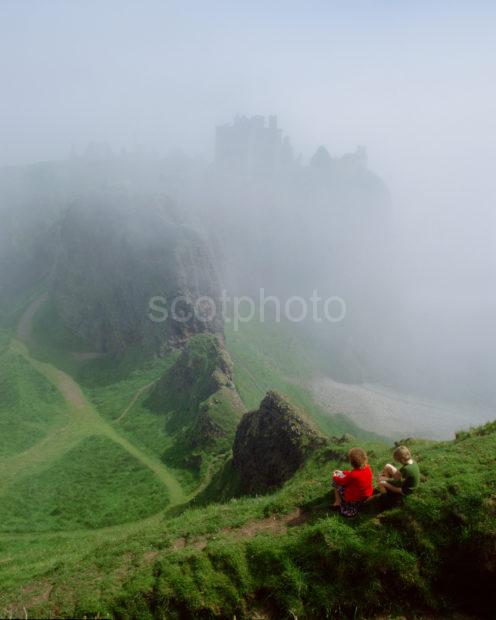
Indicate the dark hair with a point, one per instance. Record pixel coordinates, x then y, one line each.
358 458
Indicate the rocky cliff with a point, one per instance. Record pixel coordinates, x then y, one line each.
272 443
114 255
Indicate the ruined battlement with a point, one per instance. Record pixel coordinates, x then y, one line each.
252 145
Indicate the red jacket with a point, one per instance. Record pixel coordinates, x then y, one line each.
357 484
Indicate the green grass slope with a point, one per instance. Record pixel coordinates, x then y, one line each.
30 406
94 524
122 404
198 404
284 554
62 464
95 484
52 342
267 357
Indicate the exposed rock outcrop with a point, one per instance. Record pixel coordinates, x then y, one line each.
272 443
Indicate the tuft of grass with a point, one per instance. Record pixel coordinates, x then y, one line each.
478 431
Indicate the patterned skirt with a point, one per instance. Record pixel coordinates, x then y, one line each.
348 509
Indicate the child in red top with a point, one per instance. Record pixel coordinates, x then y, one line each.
353 488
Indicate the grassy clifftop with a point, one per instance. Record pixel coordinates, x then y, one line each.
286 554
297 558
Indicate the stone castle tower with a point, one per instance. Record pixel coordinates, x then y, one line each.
252 146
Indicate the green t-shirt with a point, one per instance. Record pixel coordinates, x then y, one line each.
410 477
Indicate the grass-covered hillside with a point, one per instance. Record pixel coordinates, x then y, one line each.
198 403
281 555
64 464
102 515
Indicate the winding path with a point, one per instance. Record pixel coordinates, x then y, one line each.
135 398
82 420
26 320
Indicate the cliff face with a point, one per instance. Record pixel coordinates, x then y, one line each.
113 257
272 443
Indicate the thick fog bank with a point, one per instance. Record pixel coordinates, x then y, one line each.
279 226
403 230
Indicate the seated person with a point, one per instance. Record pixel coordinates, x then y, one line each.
353 488
402 481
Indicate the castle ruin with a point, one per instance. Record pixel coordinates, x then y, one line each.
252 146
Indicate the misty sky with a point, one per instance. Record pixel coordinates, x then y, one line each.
411 80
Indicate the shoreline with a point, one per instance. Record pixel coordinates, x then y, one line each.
382 410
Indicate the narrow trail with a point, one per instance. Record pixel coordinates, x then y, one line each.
26 320
270 525
82 420
135 398
42 454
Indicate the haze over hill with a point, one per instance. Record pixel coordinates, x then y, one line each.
238 240
267 224
341 77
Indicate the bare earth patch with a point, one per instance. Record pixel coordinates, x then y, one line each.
269 525
31 595
70 390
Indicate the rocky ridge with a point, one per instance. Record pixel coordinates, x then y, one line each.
271 444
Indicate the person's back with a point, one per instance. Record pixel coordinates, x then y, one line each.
359 486
410 476
353 487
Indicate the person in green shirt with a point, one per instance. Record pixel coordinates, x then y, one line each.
402 481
